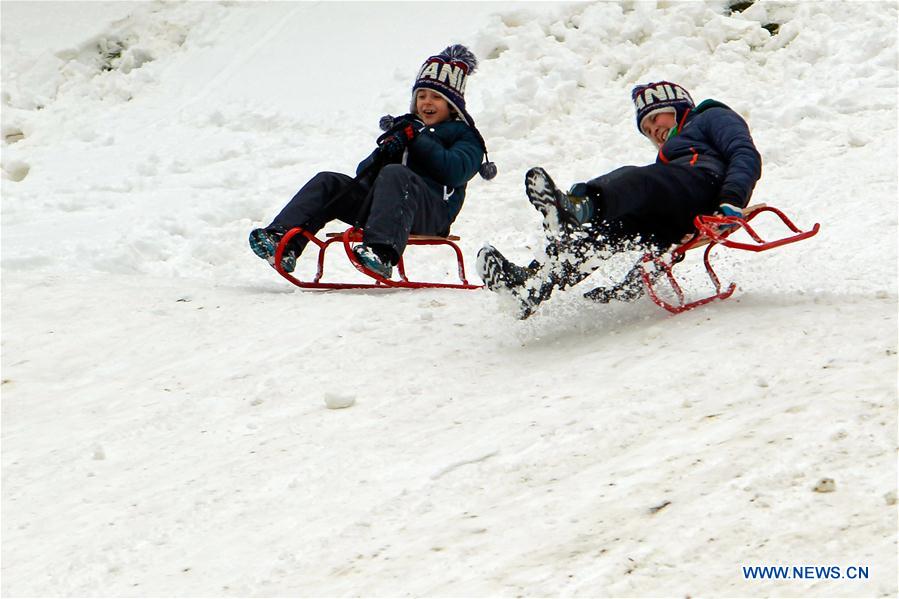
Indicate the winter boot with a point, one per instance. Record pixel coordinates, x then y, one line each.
562 212
542 194
264 243
628 290
525 285
578 206
370 259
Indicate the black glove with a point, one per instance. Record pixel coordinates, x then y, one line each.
392 143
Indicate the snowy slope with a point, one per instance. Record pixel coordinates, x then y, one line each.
164 431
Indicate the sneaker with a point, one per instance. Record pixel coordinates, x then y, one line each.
264 244
370 260
523 284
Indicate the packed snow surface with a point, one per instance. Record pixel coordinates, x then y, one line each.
166 428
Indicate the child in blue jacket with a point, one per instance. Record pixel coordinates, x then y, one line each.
414 181
707 163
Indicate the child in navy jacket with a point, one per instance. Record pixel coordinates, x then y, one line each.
707 163
414 181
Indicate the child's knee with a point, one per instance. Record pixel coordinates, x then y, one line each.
326 182
393 172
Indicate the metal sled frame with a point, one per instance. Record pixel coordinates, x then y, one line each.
353 235
709 233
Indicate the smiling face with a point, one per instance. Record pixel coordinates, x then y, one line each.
657 126
431 107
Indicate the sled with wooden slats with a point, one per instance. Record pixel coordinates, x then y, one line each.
352 236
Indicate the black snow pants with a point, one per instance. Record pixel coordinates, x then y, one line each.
647 208
401 203
656 203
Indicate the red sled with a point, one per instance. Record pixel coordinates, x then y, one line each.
712 231
353 235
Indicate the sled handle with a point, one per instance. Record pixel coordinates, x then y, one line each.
710 226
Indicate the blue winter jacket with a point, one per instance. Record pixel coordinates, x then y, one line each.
716 139
446 155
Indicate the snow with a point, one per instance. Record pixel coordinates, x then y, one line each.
337 401
166 428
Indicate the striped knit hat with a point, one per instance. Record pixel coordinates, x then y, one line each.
660 96
447 73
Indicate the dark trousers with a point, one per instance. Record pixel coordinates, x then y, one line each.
401 203
657 202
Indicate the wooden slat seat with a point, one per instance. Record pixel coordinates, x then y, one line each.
415 237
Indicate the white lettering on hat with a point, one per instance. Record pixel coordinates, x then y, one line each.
454 76
658 92
429 70
663 92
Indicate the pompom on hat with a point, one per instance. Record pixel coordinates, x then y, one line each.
660 96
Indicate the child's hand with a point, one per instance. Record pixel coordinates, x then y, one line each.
388 121
731 210
394 142
728 210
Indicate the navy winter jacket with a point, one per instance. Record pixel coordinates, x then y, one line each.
716 139
446 155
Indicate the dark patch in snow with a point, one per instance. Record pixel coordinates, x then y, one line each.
658 508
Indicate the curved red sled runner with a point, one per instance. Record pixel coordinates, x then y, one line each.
354 235
712 231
